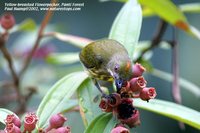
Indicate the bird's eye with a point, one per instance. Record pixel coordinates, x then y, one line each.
116 68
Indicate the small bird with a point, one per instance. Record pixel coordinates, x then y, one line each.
107 60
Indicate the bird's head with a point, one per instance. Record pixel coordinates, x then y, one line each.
121 71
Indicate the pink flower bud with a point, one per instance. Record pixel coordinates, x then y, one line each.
30 121
11 128
7 21
57 121
138 70
51 131
148 93
60 130
120 129
105 107
136 84
132 121
114 99
63 130
13 119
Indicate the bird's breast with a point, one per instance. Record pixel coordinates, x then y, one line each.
100 74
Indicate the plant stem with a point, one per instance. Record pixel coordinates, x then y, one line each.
175 70
8 58
162 26
38 39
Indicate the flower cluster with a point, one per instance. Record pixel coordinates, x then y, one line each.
121 104
7 21
136 87
13 123
56 122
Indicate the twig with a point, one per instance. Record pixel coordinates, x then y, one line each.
16 78
175 70
36 44
162 26
39 37
8 58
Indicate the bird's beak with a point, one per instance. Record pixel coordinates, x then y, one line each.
119 83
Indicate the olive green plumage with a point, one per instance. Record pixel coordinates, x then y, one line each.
106 60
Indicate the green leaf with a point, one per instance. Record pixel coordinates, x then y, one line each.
185 84
27 25
190 7
126 26
171 110
166 10
63 58
86 94
111 124
70 104
187 8
147 12
4 113
194 32
70 69
56 99
99 124
92 124
77 41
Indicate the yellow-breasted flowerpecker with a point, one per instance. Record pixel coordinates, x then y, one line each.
107 60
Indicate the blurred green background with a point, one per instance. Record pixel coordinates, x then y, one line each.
94 21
